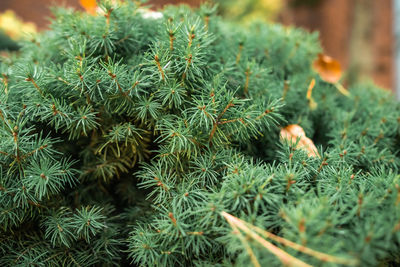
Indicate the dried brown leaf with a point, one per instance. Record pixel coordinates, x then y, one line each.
328 68
294 131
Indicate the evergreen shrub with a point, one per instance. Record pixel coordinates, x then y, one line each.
124 137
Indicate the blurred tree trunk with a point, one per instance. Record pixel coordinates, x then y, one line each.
383 42
360 45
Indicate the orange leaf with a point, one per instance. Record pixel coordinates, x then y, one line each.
294 131
89 5
328 68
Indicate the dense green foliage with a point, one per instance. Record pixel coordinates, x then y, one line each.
123 137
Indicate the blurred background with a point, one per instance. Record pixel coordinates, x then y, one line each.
360 34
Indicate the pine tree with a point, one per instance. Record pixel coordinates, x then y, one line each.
124 138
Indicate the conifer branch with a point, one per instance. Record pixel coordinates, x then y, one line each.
30 79
285 258
5 82
157 60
